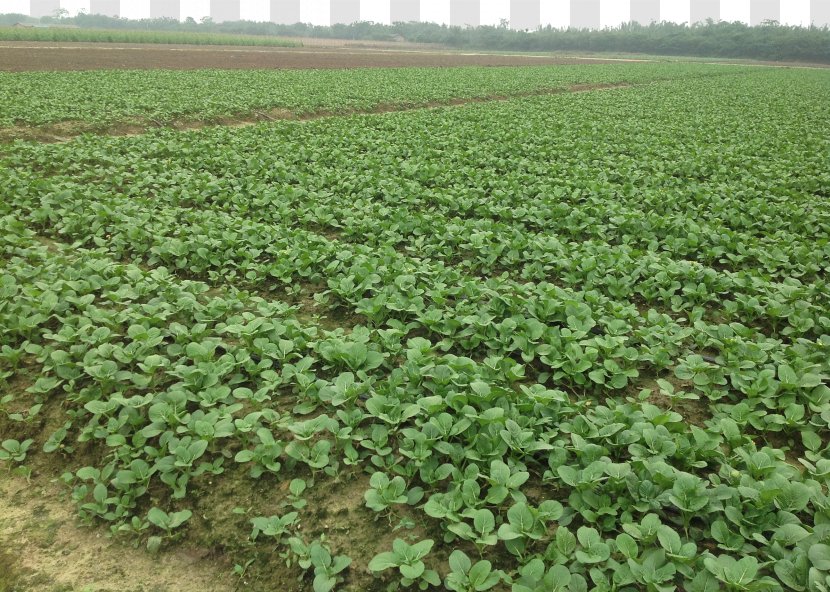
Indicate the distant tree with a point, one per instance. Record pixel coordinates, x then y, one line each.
769 41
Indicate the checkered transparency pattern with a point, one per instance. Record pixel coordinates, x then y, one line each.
40 8
164 8
344 12
703 10
645 11
585 14
405 11
224 10
465 13
820 13
105 7
764 10
524 14
285 12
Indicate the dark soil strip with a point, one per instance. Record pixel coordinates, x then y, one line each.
51 56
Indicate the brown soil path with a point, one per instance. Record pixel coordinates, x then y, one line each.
21 56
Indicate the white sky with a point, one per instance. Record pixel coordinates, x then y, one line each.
556 13
316 12
676 11
14 6
492 11
795 12
612 13
377 11
254 10
135 9
196 9
75 6
735 10
436 11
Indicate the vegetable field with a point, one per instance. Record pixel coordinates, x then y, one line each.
164 97
562 342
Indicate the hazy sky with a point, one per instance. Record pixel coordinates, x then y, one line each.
554 12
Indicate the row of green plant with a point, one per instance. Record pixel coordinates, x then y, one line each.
582 338
164 394
73 35
543 434
161 96
676 254
595 341
658 263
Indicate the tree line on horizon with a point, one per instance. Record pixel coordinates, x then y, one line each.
769 41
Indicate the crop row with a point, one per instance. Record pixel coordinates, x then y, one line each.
505 391
70 35
550 160
363 194
577 337
107 97
170 381
169 235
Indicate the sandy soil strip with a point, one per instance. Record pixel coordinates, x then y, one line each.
44 547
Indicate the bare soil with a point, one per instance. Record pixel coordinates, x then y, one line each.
27 56
44 548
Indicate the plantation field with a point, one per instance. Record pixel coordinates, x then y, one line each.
163 97
565 341
136 36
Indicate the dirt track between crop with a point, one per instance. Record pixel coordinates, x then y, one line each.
47 56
